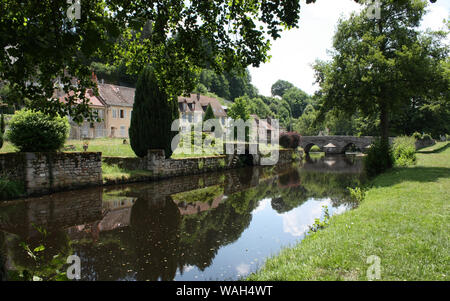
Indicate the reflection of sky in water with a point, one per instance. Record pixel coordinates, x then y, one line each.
266 235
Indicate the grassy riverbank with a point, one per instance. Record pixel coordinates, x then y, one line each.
404 220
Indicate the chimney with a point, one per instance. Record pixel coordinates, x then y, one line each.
94 77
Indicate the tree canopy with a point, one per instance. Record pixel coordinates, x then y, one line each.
41 47
381 65
280 87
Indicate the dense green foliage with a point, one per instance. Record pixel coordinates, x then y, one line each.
280 87
379 158
179 37
209 114
31 131
227 85
2 129
382 67
290 140
239 111
404 151
153 114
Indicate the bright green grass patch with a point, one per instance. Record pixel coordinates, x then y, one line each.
404 220
109 147
114 172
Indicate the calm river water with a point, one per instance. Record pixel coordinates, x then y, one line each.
217 226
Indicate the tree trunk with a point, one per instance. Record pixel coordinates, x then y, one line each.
384 123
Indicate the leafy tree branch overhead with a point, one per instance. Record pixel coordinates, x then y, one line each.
48 47
40 45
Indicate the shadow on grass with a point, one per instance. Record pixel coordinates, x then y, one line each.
411 174
435 151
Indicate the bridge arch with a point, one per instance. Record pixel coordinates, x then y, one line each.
352 147
308 147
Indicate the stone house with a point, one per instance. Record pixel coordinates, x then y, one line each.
114 105
89 129
118 101
193 108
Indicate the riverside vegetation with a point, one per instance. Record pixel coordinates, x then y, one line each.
403 220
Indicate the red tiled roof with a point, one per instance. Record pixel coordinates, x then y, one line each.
116 95
93 100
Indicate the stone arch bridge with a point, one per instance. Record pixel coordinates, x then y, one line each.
336 144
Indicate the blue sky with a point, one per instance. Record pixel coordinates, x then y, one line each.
293 53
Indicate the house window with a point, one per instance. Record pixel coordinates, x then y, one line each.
85 131
190 117
100 114
123 113
114 113
99 132
122 131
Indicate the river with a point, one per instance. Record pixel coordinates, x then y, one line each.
216 226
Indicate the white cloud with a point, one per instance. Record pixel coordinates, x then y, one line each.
243 269
262 205
296 50
296 221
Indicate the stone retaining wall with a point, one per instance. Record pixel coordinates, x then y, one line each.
162 168
42 173
424 143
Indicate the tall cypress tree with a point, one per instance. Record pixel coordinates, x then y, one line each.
209 114
153 114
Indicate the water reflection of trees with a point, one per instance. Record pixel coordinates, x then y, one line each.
159 240
297 186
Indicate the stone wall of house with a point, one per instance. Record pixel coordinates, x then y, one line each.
42 173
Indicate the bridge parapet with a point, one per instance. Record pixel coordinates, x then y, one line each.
336 144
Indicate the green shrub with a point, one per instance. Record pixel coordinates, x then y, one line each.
427 137
404 151
2 129
315 149
31 131
379 158
10 189
417 136
357 194
289 140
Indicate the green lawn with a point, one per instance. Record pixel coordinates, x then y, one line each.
109 147
113 173
404 220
